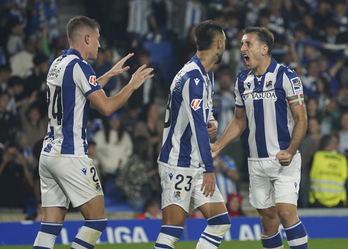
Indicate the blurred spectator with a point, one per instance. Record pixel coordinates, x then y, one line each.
5 73
153 88
15 89
22 61
136 178
340 14
46 15
343 133
151 210
33 124
102 65
13 174
308 147
187 47
224 101
189 13
15 39
253 9
141 22
330 120
130 116
8 125
324 93
290 14
231 29
226 175
276 24
151 127
234 205
323 15
328 175
36 77
312 107
113 149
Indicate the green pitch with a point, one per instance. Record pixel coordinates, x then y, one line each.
312 244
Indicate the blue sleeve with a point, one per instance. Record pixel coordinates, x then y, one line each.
197 108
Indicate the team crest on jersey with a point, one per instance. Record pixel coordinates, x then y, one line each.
177 195
195 104
93 80
97 186
296 84
269 84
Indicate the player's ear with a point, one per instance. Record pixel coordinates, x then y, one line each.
264 49
87 38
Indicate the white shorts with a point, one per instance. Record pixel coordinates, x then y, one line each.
65 179
182 187
272 183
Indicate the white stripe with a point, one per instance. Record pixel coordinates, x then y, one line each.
299 241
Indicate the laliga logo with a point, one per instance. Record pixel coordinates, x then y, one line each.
93 80
195 104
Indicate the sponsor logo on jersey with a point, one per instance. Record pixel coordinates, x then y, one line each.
171 176
296 84
177 195
196 81
195 104
249 84
93 80
245 96
263 95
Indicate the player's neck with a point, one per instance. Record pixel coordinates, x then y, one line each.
207 59
82 51
262 66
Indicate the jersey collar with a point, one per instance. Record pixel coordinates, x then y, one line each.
272 66
72 51
198 62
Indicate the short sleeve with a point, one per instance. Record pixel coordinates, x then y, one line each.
292 84
85 78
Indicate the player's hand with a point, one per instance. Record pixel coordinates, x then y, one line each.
284 157
212 128
208 185
140 76
118 68
214 150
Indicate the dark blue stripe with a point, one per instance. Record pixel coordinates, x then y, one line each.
162 245
184 159
68 100
172 231
84 125
272 242
83 243
98 225
220 220
304 246
296 232
40 247
281 114
260 128
212 237
211 242
51 229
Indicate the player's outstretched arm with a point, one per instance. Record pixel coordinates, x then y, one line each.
107 106
116 70
232 131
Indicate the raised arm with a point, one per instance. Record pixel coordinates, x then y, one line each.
107 106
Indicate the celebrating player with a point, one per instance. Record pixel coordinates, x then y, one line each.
269 103
66 173
185 161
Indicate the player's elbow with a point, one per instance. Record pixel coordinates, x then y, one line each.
104 110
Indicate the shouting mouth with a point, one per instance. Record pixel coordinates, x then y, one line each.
246 59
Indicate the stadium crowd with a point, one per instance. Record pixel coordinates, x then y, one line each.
310 36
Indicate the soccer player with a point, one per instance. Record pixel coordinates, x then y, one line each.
185 162
66 173
270 106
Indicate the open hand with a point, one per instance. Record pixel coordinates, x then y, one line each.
118 68
140 76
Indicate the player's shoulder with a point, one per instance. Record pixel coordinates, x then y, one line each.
243 74
287 71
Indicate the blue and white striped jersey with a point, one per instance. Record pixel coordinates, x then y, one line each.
69 81
185 137
267 100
